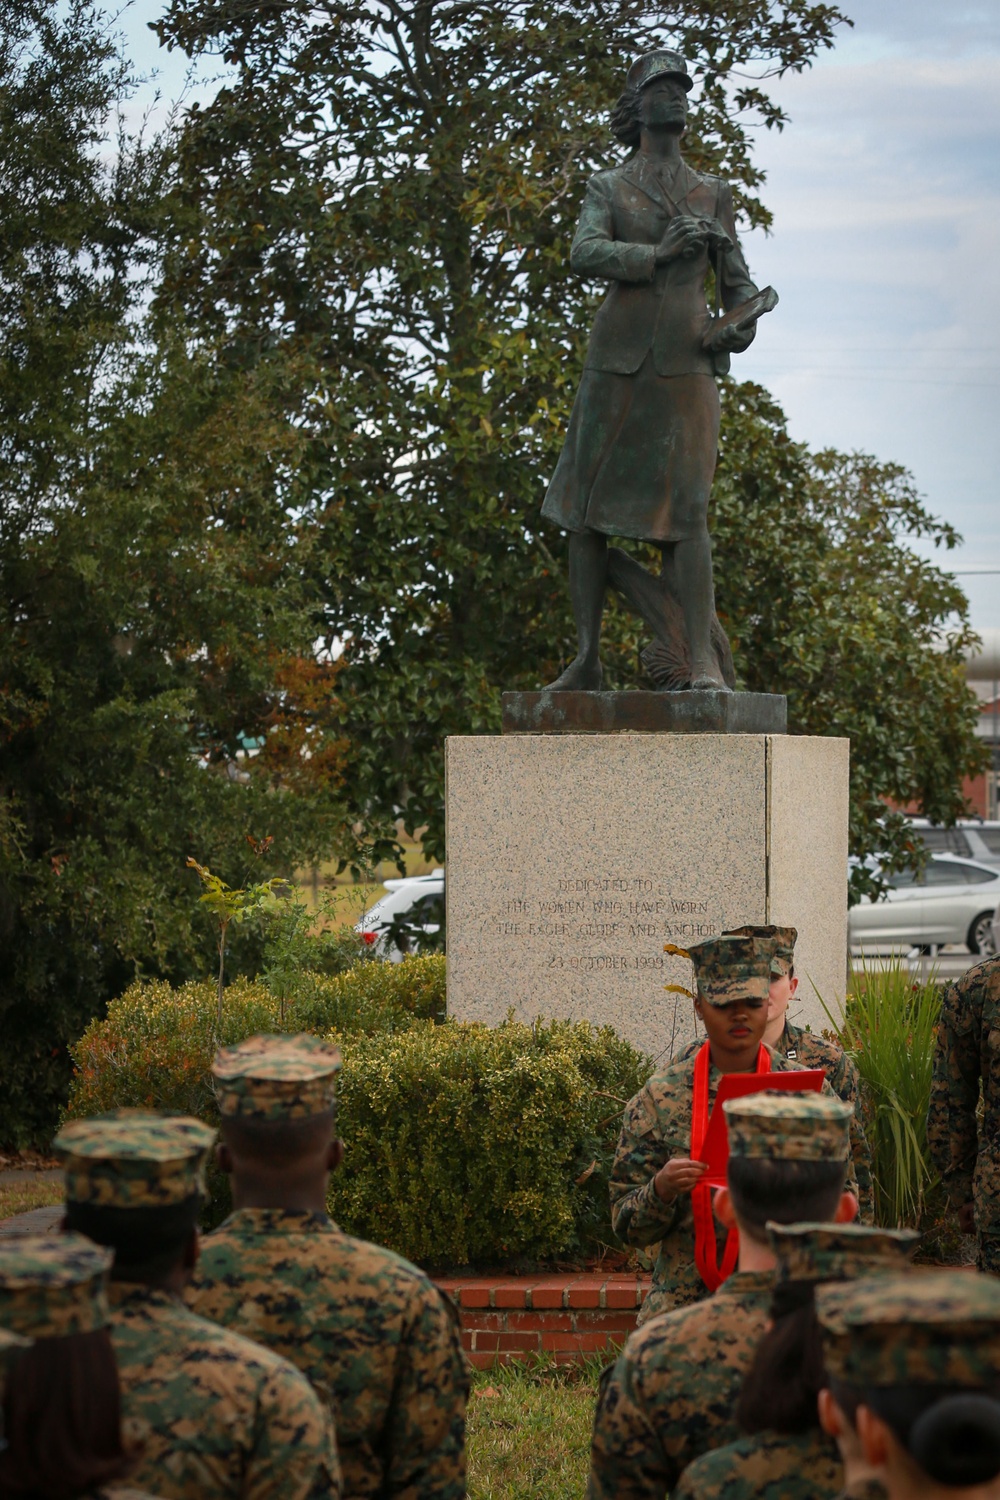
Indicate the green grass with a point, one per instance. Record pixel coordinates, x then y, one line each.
22 1197
529 1431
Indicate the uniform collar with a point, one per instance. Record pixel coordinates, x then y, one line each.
132 1294
747 1281
279 1221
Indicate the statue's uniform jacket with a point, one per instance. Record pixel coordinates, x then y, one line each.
640 451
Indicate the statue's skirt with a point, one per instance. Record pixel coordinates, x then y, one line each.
639 456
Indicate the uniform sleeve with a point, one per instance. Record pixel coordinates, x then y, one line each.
639 1215
737 285
851 1184
596 252
295 1452
425 1427
627 1461
845 1082
952 1133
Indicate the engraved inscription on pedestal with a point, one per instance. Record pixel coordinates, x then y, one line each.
572 859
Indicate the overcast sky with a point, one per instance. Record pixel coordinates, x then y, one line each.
885 187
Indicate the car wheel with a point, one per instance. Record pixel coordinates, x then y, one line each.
980 938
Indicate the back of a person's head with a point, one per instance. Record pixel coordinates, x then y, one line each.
62 1419
951 1433
783 1192
149 1242
272 1144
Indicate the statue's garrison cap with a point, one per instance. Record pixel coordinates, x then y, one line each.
730 968
778 942
838 1252
276 1078
917 1328
53 1285
657 65
134 1158
773 1126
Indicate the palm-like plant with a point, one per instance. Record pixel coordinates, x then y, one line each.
888 1030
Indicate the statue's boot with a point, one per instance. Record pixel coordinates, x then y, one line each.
581 676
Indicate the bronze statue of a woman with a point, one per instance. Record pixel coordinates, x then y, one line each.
641 447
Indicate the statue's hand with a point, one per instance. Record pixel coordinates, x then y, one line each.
733 340
684 235
716 236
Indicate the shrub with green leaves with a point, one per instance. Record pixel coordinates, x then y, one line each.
888 1029
154 1048
466 1145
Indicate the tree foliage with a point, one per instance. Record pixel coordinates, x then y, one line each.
151 623
385 195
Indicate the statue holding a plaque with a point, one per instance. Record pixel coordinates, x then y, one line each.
640 451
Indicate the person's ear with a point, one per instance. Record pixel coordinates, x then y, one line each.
829 1414
847 1209
224 1158
722 1207
334 1154
793 985
874 1436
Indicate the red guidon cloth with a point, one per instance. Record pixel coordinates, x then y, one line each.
705 1250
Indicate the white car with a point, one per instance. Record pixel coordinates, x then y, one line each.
415 903
952 902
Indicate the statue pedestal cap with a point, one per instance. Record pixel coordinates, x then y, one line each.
574 856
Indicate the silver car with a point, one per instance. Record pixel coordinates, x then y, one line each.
953 902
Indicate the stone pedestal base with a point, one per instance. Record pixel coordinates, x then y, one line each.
634 712
573 858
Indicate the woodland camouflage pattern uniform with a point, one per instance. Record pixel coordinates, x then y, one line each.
216 1415
52 1286
937 1328
966 1154
657 1126
800 1465
812 1051
372 1333
670 1395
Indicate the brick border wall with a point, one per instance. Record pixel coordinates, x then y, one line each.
564 1317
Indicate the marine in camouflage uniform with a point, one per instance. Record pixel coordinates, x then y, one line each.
812 1051
53 1287
967 1053
217 1417
670 1396
657 1127
935 1329
798 1465
771 1466
372 1333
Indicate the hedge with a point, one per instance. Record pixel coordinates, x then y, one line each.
466 1145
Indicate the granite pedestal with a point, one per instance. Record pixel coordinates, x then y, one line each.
573 857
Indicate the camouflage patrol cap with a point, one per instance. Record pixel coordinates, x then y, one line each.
838 1252
773 1126
917 1328
658 64
276 1078
779 942
728 968
53 1285
134 1158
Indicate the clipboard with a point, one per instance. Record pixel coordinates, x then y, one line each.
748 312
715 1147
